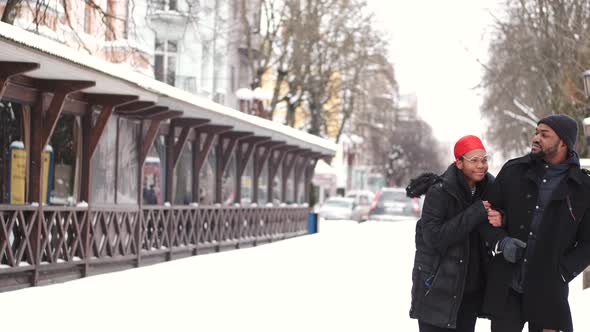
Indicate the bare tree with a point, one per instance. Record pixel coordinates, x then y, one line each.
536 58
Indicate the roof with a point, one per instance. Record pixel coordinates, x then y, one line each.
58 61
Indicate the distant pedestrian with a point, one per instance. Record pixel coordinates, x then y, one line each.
447 277
545 240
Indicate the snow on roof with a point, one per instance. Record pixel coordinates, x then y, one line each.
58 61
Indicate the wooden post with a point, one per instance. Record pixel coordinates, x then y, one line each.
261 156
225 147
242 158
276 161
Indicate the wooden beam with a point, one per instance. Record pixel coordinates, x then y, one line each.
251 143
177 148
232 138
165 115
225 147
60 90
147 112
278 160
242 158
261 159
148 140
9 69
135 107
215 129
288 165
109 103
109 99
188 122
202 152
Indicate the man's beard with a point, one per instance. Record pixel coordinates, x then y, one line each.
538 155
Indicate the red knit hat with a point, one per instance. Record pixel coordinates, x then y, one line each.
466 144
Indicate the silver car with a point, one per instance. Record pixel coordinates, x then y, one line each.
339 208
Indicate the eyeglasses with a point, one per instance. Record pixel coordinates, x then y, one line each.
476 160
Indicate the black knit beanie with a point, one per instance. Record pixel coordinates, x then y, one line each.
564 126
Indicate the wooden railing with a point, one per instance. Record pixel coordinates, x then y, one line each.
43 245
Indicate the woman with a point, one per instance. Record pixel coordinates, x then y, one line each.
448 267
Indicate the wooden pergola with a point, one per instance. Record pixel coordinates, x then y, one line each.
42 243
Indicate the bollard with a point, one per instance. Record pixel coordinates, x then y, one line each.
312 223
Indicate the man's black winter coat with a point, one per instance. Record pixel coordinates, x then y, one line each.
443 245
562 249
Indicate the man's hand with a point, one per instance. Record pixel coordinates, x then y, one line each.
487 205
494 218
512 249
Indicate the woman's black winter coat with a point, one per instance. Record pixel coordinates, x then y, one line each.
442 248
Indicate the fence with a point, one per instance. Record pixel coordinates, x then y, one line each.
43 245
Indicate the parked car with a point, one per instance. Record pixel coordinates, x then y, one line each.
339 208
392 203
363 200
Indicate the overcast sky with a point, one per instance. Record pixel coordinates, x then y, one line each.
434 48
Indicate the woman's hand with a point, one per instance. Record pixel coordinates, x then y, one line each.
494 218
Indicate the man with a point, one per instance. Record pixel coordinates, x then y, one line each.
543 241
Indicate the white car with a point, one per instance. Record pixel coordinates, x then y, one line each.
339 208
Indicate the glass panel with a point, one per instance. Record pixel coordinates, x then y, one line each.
228 181
153 173
290 195
64 141
103 165
11 133
159 45
171 70
159 67
301 193
247 183
207 178
276 187
263 185
172 46
183 176
128 169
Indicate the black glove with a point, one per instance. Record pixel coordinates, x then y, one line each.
512 249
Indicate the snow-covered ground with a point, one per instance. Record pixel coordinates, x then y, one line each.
349 277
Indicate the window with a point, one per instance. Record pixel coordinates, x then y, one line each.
104 165
165 4
115 163
154 179
13 186
246 183
207 177
276 186
65 143
183 176
290 188
165 61
127 168
263 185
228 181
